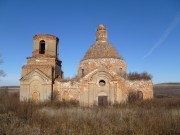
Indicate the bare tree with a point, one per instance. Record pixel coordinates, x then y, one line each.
2 73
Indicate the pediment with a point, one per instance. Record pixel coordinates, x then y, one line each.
35 74
100 71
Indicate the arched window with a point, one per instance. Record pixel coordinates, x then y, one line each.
139 95
42 47
82 72
135 96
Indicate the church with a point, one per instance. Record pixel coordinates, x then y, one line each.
101 75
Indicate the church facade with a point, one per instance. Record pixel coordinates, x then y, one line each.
101 77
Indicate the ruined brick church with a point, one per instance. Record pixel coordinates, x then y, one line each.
101 77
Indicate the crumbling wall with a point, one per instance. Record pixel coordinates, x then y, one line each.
116 65
145 86
68 90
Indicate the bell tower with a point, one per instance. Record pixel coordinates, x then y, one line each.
44 57
41 70
45 45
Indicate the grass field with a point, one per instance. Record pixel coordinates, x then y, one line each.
159 116
167 90
150 117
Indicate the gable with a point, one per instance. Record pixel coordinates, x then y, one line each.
35 74
100 71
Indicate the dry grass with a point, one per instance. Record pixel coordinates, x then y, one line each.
165 90
151 117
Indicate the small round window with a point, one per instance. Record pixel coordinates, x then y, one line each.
102 83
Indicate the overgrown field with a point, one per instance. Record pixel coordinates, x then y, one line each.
151 117
167 90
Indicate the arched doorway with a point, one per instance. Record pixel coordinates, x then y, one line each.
102 99
135 96
35 97
35 90
139 95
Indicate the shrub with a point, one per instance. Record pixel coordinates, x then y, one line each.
139 76
134 96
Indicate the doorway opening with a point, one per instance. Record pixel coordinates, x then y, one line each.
139 95
102 101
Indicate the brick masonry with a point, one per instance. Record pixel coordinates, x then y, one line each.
101 73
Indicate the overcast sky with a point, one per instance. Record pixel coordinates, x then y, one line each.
146 33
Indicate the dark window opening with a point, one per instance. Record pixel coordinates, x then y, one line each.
42 47
102 83
102 100
139 95
135 96
82 72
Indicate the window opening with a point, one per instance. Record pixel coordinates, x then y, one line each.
42 47
82 72
102 83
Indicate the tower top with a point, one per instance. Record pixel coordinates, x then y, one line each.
45 46
46 36
101 34
101 48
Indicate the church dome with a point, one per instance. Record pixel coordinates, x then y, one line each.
101 55
101 48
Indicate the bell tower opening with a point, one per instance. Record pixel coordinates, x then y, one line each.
42 47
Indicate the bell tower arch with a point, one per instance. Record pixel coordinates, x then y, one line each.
42 45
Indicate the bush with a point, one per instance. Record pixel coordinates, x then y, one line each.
139 76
